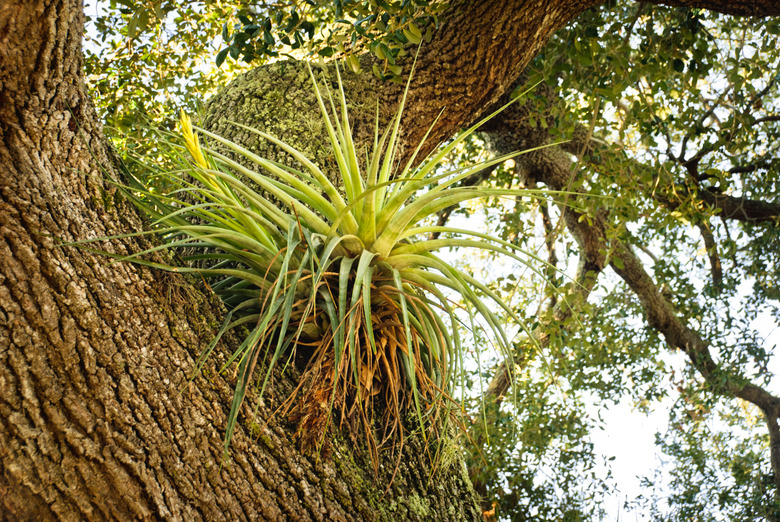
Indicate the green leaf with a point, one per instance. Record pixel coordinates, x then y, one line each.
353 63
221 56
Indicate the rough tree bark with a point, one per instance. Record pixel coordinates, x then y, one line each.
97 417
472 61
97 420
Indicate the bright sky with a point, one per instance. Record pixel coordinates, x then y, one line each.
630 435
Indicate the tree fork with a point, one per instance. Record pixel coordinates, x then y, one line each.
93 423
93 356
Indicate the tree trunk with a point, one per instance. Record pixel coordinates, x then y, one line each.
97 417
472 61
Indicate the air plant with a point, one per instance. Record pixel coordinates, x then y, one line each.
341 277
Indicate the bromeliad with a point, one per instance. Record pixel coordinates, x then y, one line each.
344 276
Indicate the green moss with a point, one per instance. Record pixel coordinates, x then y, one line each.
255 430
273 449
419 507
107 199
255 99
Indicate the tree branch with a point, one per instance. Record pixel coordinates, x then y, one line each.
732 7
741 209
724 206
550 167
712 252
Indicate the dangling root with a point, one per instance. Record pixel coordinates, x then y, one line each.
368 377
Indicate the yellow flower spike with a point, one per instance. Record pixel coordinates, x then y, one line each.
191 140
